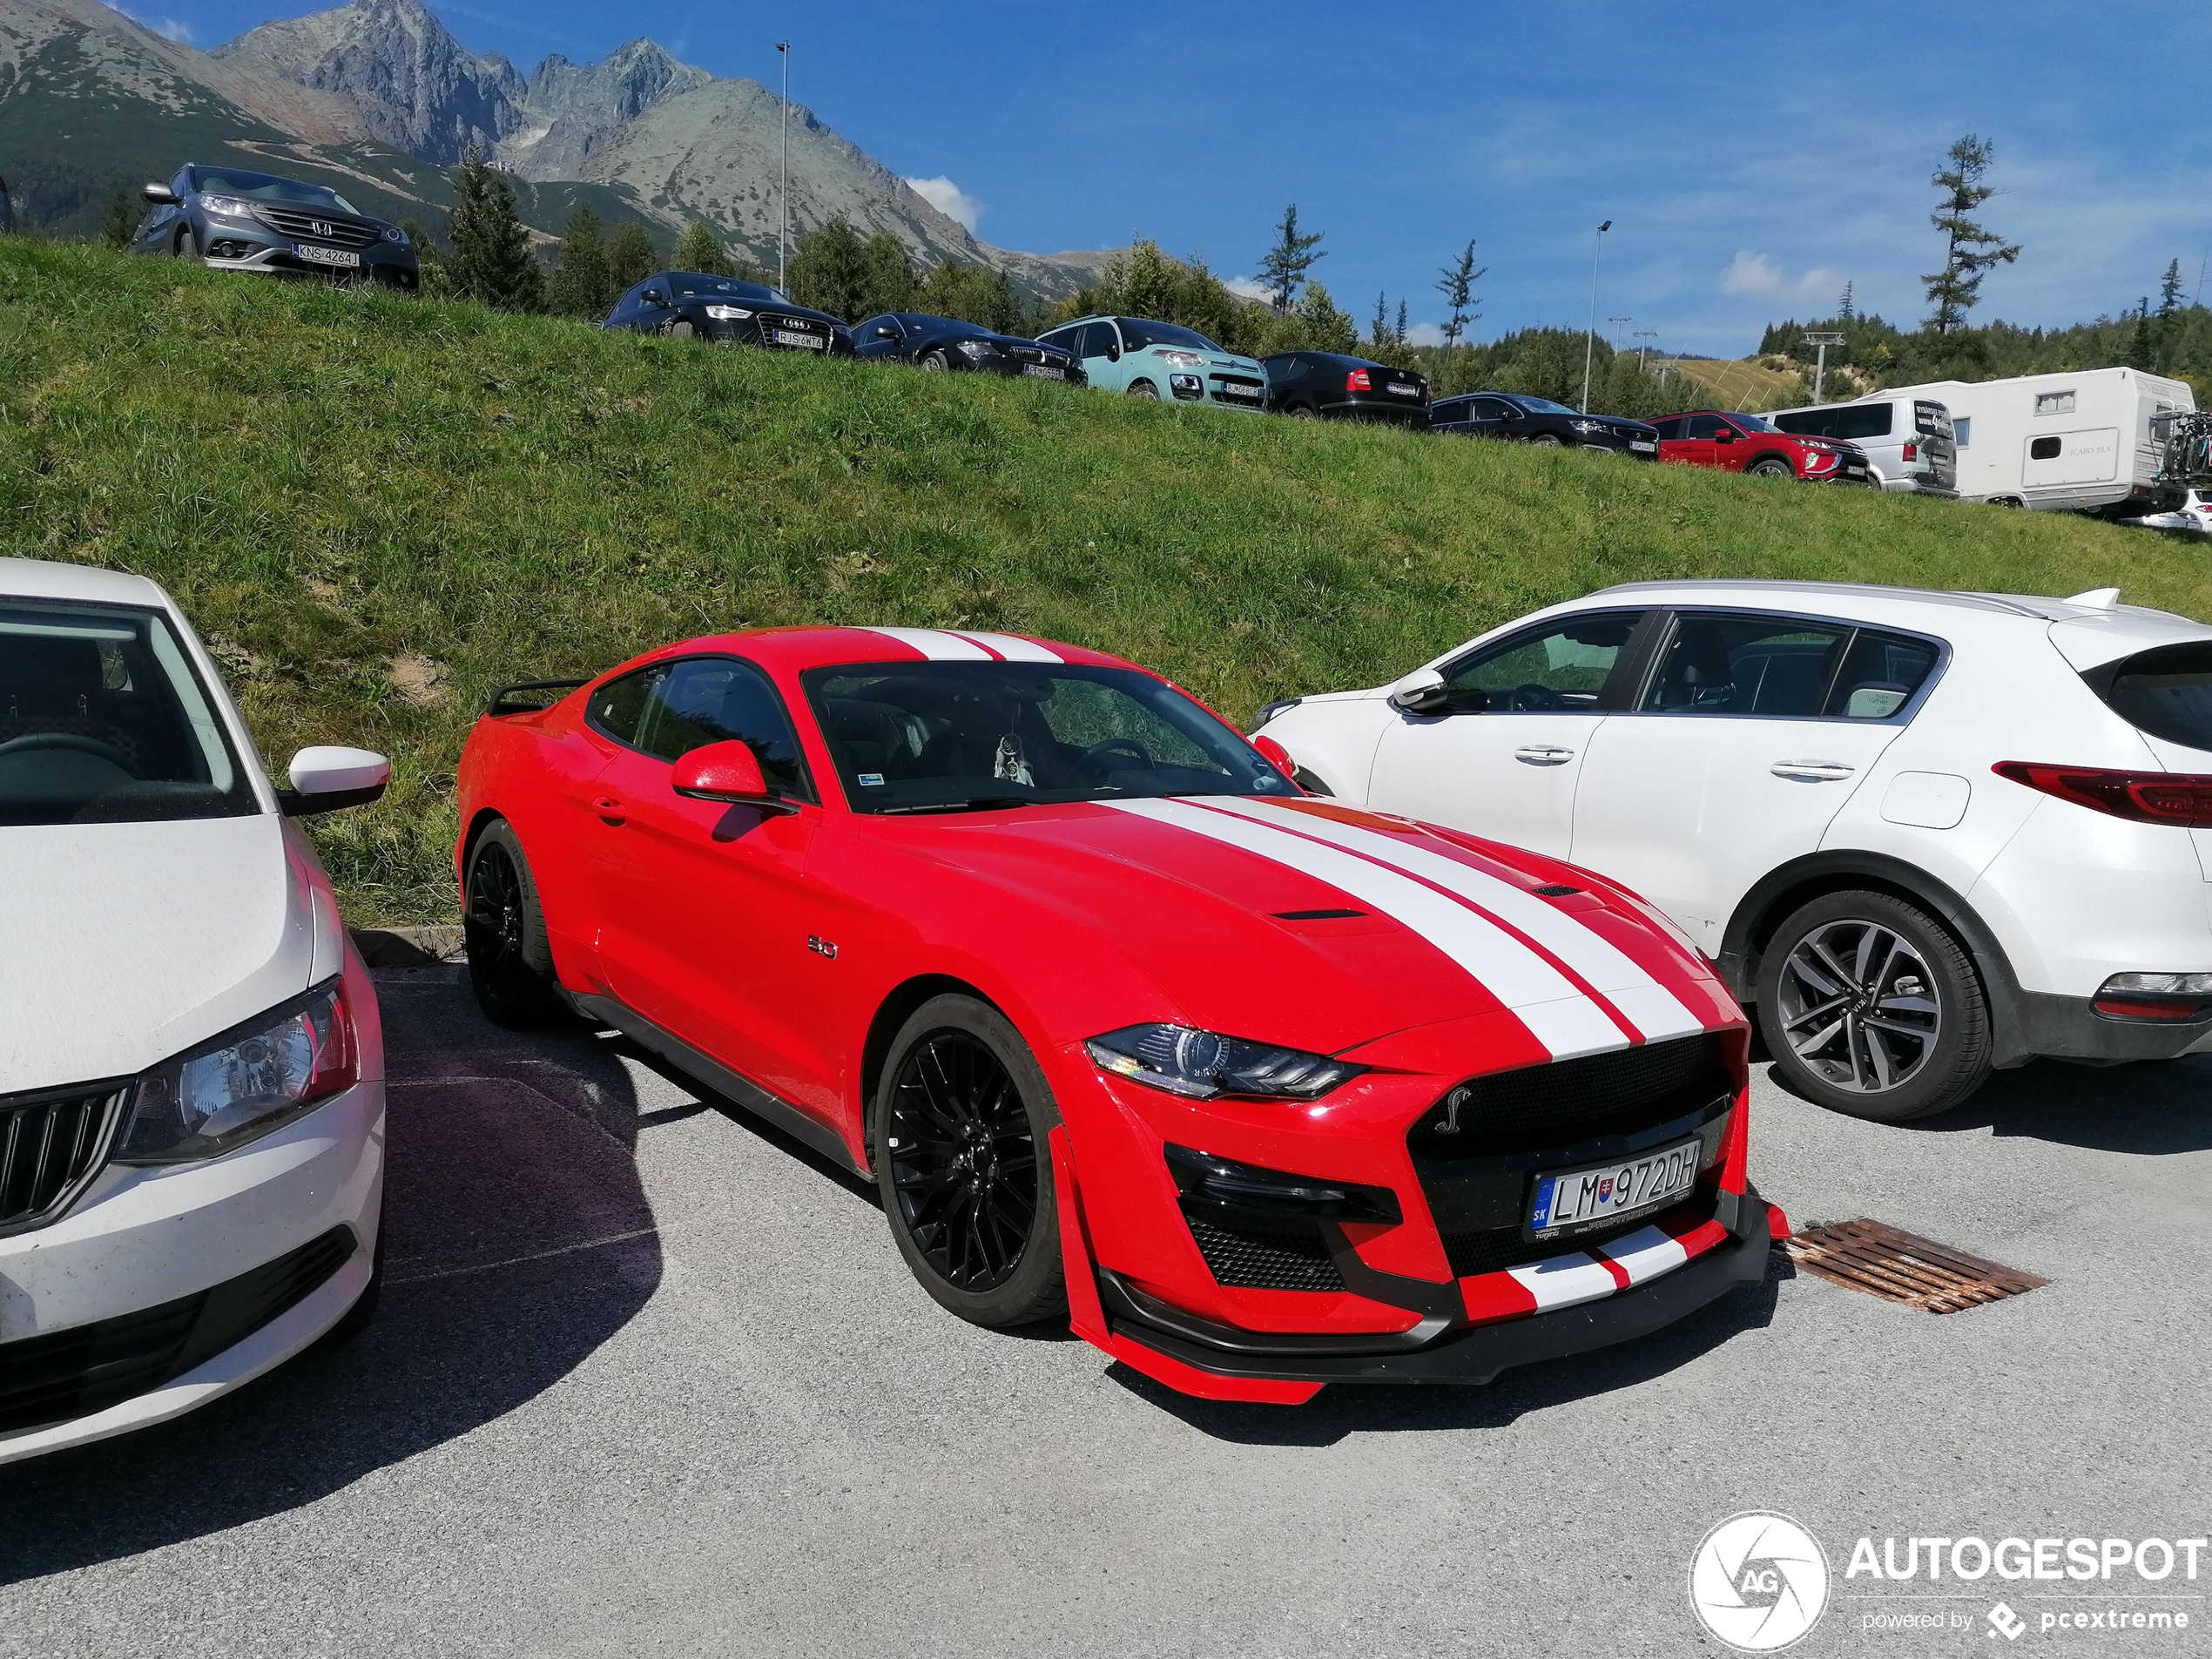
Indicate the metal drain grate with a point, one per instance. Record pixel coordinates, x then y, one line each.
1902 1267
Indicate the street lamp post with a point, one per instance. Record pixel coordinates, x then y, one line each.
1589 337
1820 369
783 186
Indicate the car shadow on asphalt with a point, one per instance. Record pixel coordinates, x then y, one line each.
1351 1408
518 1239
2154 1108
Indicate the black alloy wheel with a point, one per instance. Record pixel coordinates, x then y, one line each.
936 361
502 930
1304 412
961 1138
1770 466
1871 1008
1549 441
1146 390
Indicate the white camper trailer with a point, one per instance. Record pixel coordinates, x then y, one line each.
2087 442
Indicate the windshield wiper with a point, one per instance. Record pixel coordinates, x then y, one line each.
973 804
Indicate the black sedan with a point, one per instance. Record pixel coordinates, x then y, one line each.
683 305
1327 385
231 219
946 343
1523 419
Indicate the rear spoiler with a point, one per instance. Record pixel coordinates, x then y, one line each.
517 698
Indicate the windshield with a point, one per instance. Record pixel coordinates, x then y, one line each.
1140 332
1543 406
266 187
689 285
102 720
1751 423
917 737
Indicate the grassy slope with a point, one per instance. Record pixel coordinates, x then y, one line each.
329 480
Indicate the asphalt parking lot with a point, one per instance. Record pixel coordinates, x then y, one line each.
647 1378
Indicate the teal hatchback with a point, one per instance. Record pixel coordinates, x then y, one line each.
1142 358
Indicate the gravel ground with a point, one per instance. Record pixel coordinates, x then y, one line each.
649 1378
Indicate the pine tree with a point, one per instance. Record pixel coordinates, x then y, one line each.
122 221
1287 262
700 250
2142 347
491 261
1971 251
1845 310
2169 314
1400 333
1457 284
579 286
632 257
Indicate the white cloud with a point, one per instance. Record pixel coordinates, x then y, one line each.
1425 334
948 198
1759 275
168 27
1250 287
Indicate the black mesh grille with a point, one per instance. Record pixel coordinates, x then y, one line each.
88 1367
1294 1259
1569 1100
1494 1249
49 1142
317 227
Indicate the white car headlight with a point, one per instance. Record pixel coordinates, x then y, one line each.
1587 426
728 313
977 347
226 206
243 1083
1182 359
394 234
1200 1064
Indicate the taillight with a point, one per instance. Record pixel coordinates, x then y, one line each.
2142 797
1358 381
1911 452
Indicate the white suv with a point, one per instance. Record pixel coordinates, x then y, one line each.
1923 834
192 1073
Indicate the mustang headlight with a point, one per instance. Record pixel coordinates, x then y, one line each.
227 207
1182 359
1202 1064
245 1082
728 313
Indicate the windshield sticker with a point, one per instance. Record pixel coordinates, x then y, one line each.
871 780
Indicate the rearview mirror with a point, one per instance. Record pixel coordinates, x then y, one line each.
1422 692
328 778
727 771
160 195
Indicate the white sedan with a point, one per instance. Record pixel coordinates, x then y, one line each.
191 1070
2193 514
1924 835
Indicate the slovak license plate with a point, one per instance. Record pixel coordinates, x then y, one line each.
1044 371
1644 445
344 256
1222 389
796 337
1401 389
1610 1191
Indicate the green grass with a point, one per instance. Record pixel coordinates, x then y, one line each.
330 480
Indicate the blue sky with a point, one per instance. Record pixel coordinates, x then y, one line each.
1752 156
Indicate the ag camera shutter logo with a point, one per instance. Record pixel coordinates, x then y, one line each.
1758 1581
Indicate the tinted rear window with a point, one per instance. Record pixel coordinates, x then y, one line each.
1847 421
2167 693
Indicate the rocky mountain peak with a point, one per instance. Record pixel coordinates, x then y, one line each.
573 109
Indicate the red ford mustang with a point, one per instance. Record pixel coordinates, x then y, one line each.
1263 1092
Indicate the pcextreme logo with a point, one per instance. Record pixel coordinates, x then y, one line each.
1758 1581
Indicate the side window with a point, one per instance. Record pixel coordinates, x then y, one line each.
1880 674
1449 410
1671 428
1489 409
2043 448
1962 430
618 707
1099 339
1702 426
1062 338
1562 666
1775 665
2055 402
716 699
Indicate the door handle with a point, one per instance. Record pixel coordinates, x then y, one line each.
612 810
1811 771
1543 754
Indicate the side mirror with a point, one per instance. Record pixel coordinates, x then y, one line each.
726 771
1726 435
1277 756
1113 352
159 195
1421 691
654 297
885 331
328 778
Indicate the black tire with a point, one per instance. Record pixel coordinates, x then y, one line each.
1548 440
1872 1018
960 1126
1302 412
1144 389
1769 467
936 361
681 329
187 244
503 928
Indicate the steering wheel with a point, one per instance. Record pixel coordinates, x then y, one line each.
1089 763
1533 695
92 746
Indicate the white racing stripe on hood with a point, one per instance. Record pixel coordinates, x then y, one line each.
1557 1013
1014 649
937 646
1615 976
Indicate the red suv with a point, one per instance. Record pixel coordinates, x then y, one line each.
1745 444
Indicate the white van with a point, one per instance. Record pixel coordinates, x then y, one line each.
2089 440
1907 440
